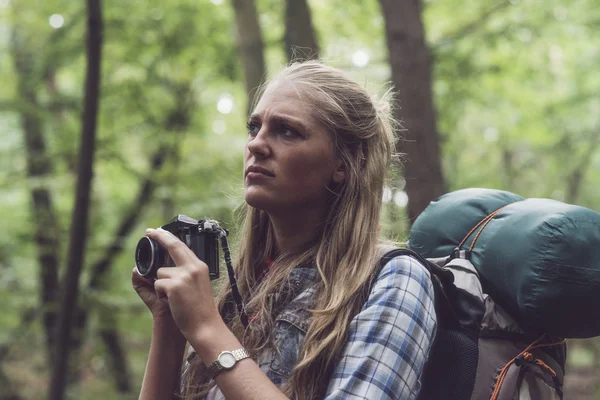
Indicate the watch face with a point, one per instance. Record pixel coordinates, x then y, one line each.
227 359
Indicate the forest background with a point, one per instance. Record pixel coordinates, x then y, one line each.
150 99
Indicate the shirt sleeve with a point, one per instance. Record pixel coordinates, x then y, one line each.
389 340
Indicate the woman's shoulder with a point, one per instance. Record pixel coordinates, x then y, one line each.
401 271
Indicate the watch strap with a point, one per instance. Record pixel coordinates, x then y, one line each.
216 367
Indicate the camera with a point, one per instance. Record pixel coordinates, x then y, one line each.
200 236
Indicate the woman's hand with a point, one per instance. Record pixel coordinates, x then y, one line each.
185 288
145 289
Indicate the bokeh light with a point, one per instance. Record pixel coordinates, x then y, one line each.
225 103
360 58
401 198
219 126
56 21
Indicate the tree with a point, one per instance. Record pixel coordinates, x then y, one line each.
250 46
410 62
300 40
39 168
79 221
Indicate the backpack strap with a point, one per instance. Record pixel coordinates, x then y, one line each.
445 276
451 368
445 291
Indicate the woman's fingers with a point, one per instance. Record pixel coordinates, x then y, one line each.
166 273
139 280
182 255
184 289
162 288
179 252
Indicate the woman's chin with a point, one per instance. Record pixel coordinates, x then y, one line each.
258 200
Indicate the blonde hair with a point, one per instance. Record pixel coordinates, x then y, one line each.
344 252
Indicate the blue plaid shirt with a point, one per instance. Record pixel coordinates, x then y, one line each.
388 341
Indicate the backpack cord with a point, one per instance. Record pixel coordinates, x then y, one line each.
523 355
484 221
530 358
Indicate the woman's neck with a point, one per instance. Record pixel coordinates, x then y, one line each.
294 231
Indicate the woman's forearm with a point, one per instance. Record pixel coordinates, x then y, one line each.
162 376
245 381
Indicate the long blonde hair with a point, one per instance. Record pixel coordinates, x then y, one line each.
344 252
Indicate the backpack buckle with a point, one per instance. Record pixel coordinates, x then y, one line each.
459 253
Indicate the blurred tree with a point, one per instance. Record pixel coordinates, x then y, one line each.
152 113
39 168
411 75
79 220
577 174
300 38
250 47
177 121
169 129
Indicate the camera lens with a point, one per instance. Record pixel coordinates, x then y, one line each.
147 256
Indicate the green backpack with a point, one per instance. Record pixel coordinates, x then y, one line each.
523 274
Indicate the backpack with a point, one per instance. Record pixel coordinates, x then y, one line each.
479 351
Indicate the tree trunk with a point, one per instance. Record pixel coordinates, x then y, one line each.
117 362
79 220
39 168
508 170
250 45
128 222
411 75
178 120
300 40
577 175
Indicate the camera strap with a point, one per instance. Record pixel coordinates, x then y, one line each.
235 292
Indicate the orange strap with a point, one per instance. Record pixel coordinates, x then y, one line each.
527 356
545 366
483 222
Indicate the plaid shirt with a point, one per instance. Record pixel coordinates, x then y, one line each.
388 341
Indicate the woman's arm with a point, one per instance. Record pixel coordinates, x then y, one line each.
166 349
246 381
162 376
186 289
389 340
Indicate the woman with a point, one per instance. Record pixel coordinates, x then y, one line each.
314 166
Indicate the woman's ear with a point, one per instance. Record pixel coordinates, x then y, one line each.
339 175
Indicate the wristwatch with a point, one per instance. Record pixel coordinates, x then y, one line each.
226 361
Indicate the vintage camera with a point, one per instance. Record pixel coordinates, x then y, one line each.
202 237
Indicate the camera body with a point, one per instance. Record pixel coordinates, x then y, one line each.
202 237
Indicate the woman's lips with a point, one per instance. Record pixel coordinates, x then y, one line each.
257 175
256 172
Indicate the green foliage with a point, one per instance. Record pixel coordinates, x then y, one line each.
512 100
515 85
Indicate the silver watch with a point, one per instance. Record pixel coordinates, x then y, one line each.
226 361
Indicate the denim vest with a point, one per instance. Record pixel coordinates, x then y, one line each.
292 319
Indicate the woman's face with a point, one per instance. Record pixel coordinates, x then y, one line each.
290 159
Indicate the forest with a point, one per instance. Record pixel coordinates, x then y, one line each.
116 116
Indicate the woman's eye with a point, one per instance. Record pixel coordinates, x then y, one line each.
288 132
252 128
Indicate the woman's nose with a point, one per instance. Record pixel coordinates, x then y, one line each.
259 145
